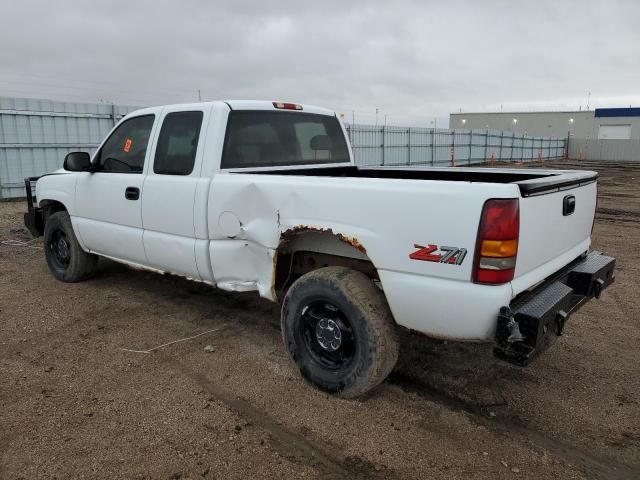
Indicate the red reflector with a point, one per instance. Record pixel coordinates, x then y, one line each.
500 220
287 106
494 276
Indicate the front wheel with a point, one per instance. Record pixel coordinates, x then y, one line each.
66 259
339 331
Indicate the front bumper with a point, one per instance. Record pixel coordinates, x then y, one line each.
33 218
529 325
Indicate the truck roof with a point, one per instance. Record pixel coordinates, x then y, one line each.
248 105
268 105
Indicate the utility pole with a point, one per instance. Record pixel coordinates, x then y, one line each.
199 96
377 110
588 100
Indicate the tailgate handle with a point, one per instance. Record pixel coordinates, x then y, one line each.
568 205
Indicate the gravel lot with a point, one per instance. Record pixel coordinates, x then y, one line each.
74 404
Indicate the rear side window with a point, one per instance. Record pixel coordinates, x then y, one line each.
125 149
264 138
177 143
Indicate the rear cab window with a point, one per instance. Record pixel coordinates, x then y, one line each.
262 138
178 143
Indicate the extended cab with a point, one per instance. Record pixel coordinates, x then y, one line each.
264 196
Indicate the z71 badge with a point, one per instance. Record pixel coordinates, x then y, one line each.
434 253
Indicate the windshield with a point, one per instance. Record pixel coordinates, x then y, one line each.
265 138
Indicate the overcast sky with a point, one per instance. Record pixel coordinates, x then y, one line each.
413 60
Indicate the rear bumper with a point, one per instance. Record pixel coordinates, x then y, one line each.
529 325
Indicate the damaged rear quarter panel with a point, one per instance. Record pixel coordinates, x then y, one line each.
382 217
269 209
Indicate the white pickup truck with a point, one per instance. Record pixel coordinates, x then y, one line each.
264 196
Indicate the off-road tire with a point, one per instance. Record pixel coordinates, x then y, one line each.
365 307
81 265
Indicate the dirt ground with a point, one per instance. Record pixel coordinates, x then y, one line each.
74 404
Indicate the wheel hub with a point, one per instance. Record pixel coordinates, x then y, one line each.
328 334
62 248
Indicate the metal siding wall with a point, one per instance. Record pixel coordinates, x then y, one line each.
606 150
35 135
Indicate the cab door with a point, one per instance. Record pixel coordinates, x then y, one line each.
108 200
170 190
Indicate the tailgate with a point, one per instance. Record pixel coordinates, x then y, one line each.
556 218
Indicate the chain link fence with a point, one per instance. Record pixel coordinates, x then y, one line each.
395 146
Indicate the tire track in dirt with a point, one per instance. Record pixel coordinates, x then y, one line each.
5 441
592 466
298 448
617 215
294 446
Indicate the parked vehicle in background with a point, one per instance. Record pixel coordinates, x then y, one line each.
264 196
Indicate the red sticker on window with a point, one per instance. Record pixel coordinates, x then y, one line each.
127 145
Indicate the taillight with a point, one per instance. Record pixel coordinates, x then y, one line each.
287 106
497 245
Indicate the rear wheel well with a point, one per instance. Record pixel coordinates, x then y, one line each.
302 251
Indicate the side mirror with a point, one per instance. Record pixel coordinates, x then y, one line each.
77 162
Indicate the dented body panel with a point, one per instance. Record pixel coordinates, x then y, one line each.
238 229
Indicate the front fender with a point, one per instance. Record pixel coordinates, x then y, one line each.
59 188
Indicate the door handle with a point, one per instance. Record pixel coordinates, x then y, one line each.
132 193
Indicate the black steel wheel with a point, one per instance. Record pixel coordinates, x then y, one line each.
328 335
339 331
65 258
59 249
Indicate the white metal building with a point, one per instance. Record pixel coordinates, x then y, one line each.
601 123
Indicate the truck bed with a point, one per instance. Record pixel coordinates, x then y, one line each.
530 182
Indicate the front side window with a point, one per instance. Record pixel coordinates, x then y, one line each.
266 138
177 143
125 149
